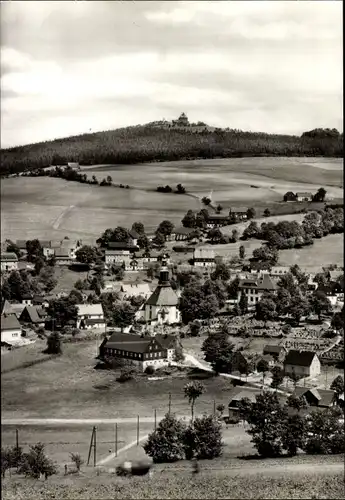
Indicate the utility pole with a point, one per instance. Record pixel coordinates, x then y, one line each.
138 430
116 439
214 407
93 445
155 419
169 403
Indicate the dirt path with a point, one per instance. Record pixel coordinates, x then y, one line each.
61 216
80 421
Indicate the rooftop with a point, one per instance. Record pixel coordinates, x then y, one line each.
129 342
9 256
299 358
264 282
10 322
204 253
325 397
89 309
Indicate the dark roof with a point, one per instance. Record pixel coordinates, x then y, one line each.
163 295
217 217
273 349
27 296
93 321
134 234
121 245
10 322
300 358
36 314
325 397
166 341
304 194
129 342
330 288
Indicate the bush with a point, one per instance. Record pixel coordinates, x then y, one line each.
165 444
149 370
77 460
35 463
203 439
126 374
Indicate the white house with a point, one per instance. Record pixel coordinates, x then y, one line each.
118 257
279 271
204 257
162 305
302 364
304 196
9 261
11 329
254 288
90 316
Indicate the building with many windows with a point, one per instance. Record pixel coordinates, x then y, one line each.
253 288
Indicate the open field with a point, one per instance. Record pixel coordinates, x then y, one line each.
69 386
328 250
54 208
296 478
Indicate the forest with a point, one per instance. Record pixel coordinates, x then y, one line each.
146 143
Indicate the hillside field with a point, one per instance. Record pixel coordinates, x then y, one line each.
53 208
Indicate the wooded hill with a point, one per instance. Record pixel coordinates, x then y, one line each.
147 143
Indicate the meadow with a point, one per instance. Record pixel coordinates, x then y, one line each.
53 208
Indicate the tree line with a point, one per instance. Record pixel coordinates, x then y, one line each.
144 143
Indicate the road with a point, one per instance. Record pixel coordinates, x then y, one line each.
81 421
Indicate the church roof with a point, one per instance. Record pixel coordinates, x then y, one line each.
163 296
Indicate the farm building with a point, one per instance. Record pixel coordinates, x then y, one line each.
322 398
276 351
238 214
9 261
237 395
11 329
143 351
35 315
181 234
217 220
290 196
204 257
302 364
90 316
254 288
162 305
304 196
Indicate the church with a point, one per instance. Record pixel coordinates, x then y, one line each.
162 305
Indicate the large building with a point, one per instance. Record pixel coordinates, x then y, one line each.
162 305
11 329
204 257
302 364
9 261
254 288
90 316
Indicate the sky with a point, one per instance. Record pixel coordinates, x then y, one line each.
70 67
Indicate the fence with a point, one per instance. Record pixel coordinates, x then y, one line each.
96 442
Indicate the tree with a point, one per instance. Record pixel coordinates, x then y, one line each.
251 213
262 366
54 344
221 272
243 304
194 328
165 444
206 201
265 309
143 241
242 252
189 220
180 189
120 234
34 250
75 296
251 231
220 409
198 301
77 460
36 463
47 279
86 255
138 227
203 438
294 434
299 306
192 391
234 235
215 234
62 311
266 419
123 314
159 240
109 179
297 402
266 255
233 288
219 208
267 212
319 304
13 248
39 264
338 386
277 377
325 432
165 228
320 195
282 301
218 351
337 321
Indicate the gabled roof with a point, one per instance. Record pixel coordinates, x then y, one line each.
134 234
305 195
183 230
331 288
166 341
325 397
334 275
136 289
129 342
121 245
36 314
94 321
273 349
62 252
8 256
8 308
264 282
217 217
280 270
299 358
10 323
89 309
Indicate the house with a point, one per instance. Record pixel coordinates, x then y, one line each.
265 357
322 398
118 258
290 196
9 308
302 364
65 255
162 305
11 329
74 165
27 299
304 196
254 288
335 275
181 234
168 342
135 290
237 395
279 271
122 245
143 351
333 291
134 236
90 316
276 351
47 248
217 220
35 315
43 301
9 261
238 214
204 257
144 258
239 362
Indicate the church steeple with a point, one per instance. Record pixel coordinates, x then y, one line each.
164 274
